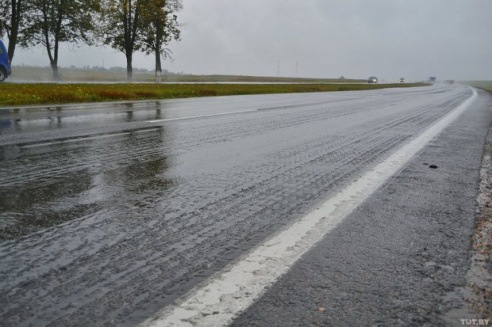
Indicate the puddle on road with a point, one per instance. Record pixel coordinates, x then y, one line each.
65 117
50 185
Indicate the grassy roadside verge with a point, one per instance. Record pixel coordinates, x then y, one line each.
486 85
33 94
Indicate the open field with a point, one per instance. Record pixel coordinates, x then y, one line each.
143 86
44 74
487 85
14 94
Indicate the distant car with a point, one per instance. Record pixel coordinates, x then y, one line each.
5 68
372 80
402 80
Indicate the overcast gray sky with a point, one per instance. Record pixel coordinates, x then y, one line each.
450 39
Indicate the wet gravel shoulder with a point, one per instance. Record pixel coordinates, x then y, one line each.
474 300
480 275
482 241
408 264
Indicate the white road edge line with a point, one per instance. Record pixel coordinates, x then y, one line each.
201 116
221 298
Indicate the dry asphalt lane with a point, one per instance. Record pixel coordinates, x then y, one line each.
109 214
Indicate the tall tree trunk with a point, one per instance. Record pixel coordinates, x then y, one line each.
14 32
12 43
158 67
54 63
129 67
56 73
53 58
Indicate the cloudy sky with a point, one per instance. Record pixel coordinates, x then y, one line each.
450 39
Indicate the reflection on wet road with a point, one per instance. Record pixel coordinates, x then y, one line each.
107 214
62 182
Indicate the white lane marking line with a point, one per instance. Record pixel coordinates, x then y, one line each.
78 139
201 116
82 139
221 298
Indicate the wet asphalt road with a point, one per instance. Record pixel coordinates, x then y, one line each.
108 214
401 258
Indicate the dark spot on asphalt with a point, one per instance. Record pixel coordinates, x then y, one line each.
433 167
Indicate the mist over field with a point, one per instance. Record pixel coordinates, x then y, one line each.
321 39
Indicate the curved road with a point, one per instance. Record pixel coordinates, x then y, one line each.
110 213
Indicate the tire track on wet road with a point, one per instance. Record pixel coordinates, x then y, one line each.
170 207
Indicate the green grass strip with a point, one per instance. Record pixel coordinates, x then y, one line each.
12 94
486 85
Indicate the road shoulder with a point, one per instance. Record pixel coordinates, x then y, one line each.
474 300
482 241
392 264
